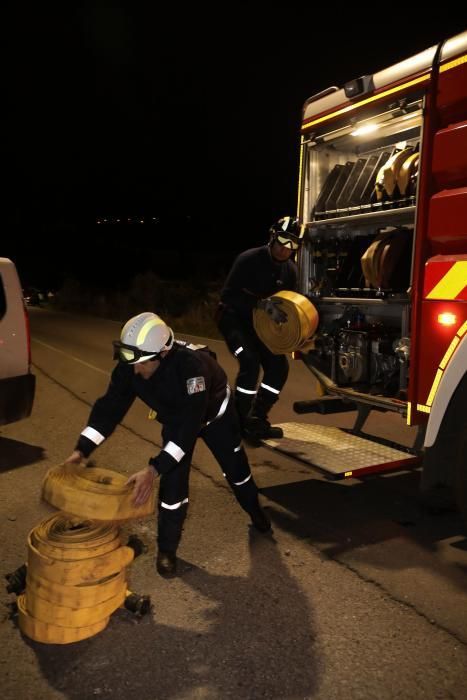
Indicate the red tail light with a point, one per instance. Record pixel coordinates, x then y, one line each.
447 319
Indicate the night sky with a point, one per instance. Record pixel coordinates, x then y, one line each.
189 121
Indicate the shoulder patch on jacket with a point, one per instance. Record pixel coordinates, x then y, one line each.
194 385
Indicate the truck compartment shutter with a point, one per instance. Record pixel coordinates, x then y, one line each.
449 160
451 99
448 215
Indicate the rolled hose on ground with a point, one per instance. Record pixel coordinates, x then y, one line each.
47 633
296 332
75 579
17 579
71 551
93 492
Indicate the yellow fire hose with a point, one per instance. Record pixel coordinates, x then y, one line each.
53 634
82 595
92 492
74 570
76 576
76 579
296 332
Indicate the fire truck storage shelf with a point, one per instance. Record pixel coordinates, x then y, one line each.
404 215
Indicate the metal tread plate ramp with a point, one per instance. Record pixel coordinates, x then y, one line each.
337 452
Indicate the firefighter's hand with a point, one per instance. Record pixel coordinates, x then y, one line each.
143 484
76 457
271 307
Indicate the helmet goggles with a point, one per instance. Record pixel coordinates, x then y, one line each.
129 354
288 242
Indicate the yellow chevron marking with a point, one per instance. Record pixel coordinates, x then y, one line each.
422 408
442 366
452 283
434 388
447 356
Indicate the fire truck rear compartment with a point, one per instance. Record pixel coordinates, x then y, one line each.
359 199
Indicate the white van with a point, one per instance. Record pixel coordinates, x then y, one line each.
17 384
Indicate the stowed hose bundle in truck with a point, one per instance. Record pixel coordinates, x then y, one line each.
383 203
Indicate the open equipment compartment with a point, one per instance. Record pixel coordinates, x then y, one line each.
359 204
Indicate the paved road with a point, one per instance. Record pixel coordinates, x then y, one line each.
359 593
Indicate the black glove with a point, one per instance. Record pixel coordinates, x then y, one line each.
271 307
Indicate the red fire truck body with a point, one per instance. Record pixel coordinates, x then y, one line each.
383 200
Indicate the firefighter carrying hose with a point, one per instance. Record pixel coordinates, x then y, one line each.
255 276
188 390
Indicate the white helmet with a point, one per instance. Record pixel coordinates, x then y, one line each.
143 338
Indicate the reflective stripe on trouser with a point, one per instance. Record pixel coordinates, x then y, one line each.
173 503
243 401
224 440
265 398
241 343
254 355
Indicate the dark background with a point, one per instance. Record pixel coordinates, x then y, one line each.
188 121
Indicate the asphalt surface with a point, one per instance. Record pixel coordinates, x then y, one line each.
358 593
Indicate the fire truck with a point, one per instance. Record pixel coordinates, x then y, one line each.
383 202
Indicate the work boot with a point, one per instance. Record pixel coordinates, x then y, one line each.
260 520
257 428
166 564
256 423
250 438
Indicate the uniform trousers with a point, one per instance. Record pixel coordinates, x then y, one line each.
223 438
252 354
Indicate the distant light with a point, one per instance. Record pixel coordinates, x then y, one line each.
367 129
447 318
141 221
118 221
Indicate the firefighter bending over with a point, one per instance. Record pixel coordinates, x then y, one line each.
257 274
188 390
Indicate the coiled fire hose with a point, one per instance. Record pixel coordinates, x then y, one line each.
76 574
296 332
76 578
93 492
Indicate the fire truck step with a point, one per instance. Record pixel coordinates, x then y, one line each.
328 404
338 453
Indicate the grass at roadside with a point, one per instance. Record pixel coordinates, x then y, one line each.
187 306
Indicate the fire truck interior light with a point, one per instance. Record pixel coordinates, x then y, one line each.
367 129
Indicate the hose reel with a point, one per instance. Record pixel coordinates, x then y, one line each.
296 332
